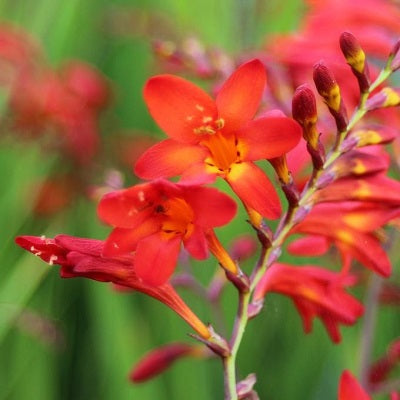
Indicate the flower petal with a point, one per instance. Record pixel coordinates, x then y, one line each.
269 137
178 106
197 174
128 208
255 189
156 258
240 96
309 246
196 244
168 158
211 207
122 241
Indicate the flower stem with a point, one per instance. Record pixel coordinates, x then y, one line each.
237 335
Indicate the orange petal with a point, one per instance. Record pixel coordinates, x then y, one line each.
269 137
309 246
255 189
240 96
178 106
210 206
168 158
122 241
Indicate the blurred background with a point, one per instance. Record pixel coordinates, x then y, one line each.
78 339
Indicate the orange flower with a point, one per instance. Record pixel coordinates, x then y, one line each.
218 138
153 219
81 257
350 226
316 292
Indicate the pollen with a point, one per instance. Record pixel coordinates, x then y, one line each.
141 196
206 120
199 107
35 251
52 259
189 117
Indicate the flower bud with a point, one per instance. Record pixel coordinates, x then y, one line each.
158 360
355 57
352 51
387 97
329 89
304 110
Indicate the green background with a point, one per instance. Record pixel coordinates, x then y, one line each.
86 337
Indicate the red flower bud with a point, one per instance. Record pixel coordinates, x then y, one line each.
352 51
304 110
158 360
328 88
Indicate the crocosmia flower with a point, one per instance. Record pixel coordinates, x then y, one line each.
153 219
316 292
210 138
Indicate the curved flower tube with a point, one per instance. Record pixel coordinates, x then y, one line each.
81 257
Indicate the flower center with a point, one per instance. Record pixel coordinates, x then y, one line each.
177 217
224 151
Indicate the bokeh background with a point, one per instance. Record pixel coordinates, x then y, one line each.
78 339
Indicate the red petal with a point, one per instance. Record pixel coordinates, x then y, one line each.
269 137
128 208
158 360
178 106
309 246
255 189
240 96
168 158
197 175
156 258
211 207
122 241
196 244
350 389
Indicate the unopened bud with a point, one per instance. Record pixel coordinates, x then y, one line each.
304 110
352 51
395 57
329 89
387 97
244 388
355 57
160 359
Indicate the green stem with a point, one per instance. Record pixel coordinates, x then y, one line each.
237 335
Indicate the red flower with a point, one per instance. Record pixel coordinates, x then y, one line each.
152 219
350 226
350 389
80 257
316 292
217 138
